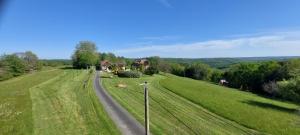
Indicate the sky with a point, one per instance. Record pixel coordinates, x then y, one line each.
141 28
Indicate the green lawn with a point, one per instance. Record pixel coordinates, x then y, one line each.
52 102
169 113
64 106
15 102
248 109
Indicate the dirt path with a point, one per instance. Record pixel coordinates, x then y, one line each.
125 121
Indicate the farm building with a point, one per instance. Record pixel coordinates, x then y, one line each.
108 66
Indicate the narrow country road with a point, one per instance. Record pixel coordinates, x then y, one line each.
127 124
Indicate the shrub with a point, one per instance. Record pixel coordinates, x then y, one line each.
16 65
290 89
151 71
271 88
198 71
4 73
177 69
129 74
216 76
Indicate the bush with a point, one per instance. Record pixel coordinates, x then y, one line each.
177 69
198 71
129 74
16 65
151 71
271 88
290 90
4 73
216 76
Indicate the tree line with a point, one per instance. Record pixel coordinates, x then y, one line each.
17 64
271 78
86 55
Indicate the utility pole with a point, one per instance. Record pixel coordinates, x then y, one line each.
146 109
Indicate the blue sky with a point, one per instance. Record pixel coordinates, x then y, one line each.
166 28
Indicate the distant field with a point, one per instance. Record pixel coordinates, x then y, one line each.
52 103
250 110
169 113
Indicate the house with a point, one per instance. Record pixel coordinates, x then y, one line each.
105 65
108 66
121 65
138 63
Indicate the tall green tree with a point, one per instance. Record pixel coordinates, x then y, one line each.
85 55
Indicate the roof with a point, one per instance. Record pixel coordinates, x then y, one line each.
105 62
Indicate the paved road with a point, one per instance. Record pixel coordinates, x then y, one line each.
126 123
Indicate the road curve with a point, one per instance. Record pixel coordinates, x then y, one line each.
127 124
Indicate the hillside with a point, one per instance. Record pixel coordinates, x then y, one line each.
250 110
169 113
222 63
185 106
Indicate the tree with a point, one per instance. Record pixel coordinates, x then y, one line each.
293 68
243 76
154 61
164 66
85 55
216 76
4 71
198 71
31 60
151 70
290 89
177 69
16 65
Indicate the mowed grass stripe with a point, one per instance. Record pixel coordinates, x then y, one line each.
250 110
169 113
64 106
15 102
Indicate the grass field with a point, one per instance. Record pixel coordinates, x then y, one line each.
52 102
15 102
250 110
169 113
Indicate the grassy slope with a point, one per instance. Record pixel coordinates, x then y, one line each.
15 102
259 113
169 113
63 106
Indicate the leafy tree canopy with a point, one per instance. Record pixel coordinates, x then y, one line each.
85 55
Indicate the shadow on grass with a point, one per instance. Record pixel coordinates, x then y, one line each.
69 67
105 77
270 106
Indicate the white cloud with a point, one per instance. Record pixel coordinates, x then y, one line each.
276 44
